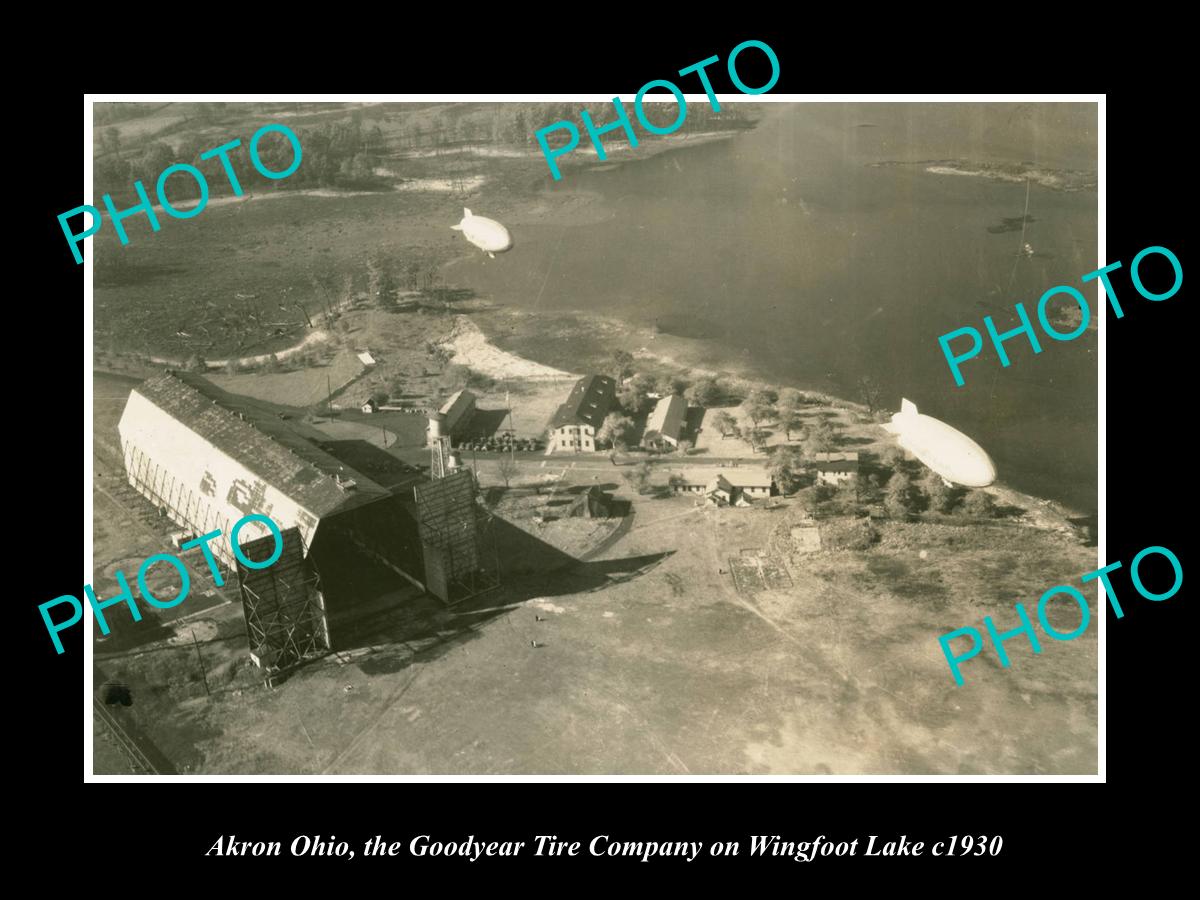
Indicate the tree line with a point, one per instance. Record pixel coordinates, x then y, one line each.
336 154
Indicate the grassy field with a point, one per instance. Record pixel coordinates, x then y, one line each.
303 387
850 427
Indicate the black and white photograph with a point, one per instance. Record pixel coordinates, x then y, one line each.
472 437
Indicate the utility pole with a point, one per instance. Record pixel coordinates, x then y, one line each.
203 673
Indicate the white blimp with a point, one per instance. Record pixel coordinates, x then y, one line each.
487 234
946 450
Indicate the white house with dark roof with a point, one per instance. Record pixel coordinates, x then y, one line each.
731 485
835 468
575 423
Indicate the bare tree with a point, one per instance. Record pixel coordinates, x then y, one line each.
821 438
724 423
615 429
870 391
758 406
622 364
639 477
757 438
507 468
788 410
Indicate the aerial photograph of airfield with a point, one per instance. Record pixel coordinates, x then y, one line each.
624 473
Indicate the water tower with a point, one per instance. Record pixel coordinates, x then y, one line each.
435 427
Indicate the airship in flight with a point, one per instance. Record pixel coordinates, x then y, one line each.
487 234
946 450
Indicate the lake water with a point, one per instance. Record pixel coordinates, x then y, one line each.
786 249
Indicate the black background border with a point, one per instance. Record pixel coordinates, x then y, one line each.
166 828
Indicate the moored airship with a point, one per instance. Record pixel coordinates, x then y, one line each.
946 450
487 234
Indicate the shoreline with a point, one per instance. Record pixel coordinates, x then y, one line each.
1040 512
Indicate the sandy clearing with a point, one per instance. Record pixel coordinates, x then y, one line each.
472 349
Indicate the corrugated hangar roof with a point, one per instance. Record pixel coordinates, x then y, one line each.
263 444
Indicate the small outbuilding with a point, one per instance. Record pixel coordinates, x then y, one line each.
731 486
835 468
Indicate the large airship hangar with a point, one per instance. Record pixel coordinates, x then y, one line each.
206 458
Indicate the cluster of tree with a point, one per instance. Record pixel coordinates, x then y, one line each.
819 437
903 496
382 281
672 384
615 431
639 476
331 290
634 395
336 154
706 391
787 467
665 385
622 365
347 152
